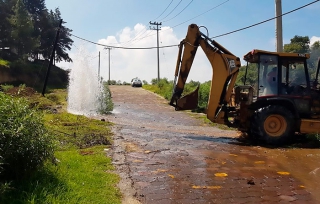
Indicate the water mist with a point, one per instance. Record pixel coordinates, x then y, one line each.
85 90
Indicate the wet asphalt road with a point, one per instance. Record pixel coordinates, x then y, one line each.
164 156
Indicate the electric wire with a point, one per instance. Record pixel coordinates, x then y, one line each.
202 13
210 38
171 11
130 42
266 20
134 39
140 33
180 11
119 47
164 10
189 19
150 34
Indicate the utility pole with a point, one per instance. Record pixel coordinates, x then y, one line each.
99 68
51 58
157 29
108 48
279 38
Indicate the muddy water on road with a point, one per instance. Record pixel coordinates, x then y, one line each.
171 157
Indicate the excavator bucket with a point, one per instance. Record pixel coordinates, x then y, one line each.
189 101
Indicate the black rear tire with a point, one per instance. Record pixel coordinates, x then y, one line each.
273 125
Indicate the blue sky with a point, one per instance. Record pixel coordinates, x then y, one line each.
125 23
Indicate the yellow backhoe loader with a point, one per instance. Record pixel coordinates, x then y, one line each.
283 100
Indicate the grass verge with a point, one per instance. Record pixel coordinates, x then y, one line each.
80 176
81 171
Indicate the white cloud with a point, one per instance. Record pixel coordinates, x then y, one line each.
313 39
126 64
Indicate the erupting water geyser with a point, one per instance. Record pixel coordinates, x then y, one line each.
85 90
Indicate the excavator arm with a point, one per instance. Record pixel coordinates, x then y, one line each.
225 67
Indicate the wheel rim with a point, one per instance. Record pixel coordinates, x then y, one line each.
275 125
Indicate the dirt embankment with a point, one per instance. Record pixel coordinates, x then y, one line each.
33 75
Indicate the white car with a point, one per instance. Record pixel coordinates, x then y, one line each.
136 82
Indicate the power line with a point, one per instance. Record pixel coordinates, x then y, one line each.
266 20
244 27
164 10
137 48
140 33
172 10
118 47
188 20
149 35
202 13
180 11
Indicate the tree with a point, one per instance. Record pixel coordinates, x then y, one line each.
298 44
29 29
22 29
65 42
314 55
5 26
315 51
251 77
35 8
145 82
38 14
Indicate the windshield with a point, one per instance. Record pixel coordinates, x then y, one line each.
284 76
268 75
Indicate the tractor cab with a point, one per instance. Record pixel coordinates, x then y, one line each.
280 74
281 78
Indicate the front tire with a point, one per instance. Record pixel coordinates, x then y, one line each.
273 124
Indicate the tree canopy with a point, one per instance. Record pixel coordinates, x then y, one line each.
301 44
298 44
29 29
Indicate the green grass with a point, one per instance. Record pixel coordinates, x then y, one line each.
79 177
151 88
83 173
78 131
165 91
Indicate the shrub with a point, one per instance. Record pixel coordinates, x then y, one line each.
154 81
105 100
204 92
145 82
24 141
165 88
5 87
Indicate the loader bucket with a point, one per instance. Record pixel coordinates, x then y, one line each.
189 101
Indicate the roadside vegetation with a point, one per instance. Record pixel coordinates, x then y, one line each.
50 156
165 87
